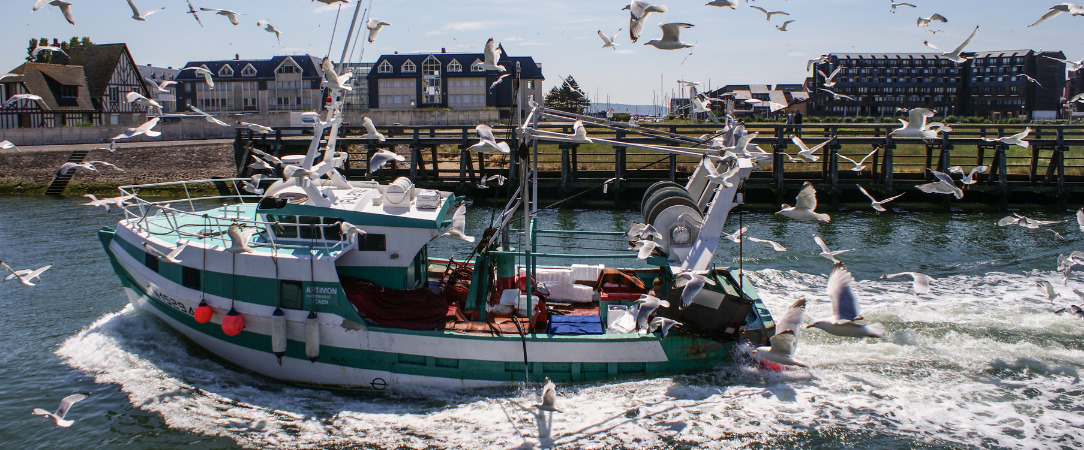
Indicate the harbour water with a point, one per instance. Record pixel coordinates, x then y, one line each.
980 361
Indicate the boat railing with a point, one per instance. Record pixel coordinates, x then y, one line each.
207 219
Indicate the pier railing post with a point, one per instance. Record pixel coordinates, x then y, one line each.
887 167
1002 173
779 148
673 167
415 157
833 163
945 160
619 157
565 162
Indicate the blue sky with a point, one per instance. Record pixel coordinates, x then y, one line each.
732 46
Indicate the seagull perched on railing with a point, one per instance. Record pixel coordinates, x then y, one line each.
374 26
204 73
62 410
969 178
370 130
65 8
943 185
487 143
878 205
1071 8
638 11
845 320
785 341
804 205
141 16
671 37
955 54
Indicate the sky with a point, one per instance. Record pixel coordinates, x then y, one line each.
731 46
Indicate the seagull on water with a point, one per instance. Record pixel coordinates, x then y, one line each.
208 117
845 320
204 73
664 323
1016 139
858 166
943 185
638 11
878 205
62 410
487 143
141 16
232 15
969 178
804 206
806 152
828 79
458 227
370 130
382 157
768 14
692 281
25 276
239 239
549 396
14 98
65 8
332 79
266 25
955 54
828 254
492 56
920 282
785 341
646 306
374 26
926 21
609 41
172 255
775 245
1071 8
671 37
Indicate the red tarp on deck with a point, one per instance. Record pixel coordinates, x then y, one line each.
411 309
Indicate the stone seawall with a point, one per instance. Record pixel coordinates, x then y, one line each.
30 171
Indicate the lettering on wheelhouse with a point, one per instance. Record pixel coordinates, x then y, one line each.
170 301
322 295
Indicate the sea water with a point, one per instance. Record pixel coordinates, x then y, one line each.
980 361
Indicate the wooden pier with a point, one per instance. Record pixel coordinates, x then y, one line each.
1050 172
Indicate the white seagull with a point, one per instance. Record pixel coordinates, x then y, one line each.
62 410
194 12
784 26
1016 139
691 282
458 227
119 201
640 231
898 4
877 204
499 179
350 232
925 21
785 341
204 73
837 95
208 117
7 145
736 235
721 178
266 25
806 152
955 54
920 283
374 26
845 320
664 323
334 80
828 254
159 88
609 41
915 126
14 98
969 178
646 306
822 59
943 185
232 15
804 206
382 157
262 129
1029 78
723 3
1080 218
47 48
499 80
141 16
139 99
1046 288
828 78
671 37
775 245
638 11
65 8
1071 66
579 133
859 166
644 248
549 397
25 276
370 130
492 57
1071 8
768 14
487 143
239 239
172 255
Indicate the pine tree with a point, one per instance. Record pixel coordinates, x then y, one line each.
567 97
48 57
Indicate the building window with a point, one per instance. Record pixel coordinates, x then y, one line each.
384 67
454 66
530 84
248 71
431 66
288 68
409 67
69 91
225 71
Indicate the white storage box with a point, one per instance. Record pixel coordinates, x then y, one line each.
586 274
427 199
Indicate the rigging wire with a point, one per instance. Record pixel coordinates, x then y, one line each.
331 44
577 195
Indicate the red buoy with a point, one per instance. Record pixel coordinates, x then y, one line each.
203 312
233 323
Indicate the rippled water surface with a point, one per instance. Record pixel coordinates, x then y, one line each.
980 361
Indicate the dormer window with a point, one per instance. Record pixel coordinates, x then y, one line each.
288 68
248 71
384 67
409 67
454 66
477 66
225 71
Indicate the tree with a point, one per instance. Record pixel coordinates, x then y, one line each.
49 57
567 97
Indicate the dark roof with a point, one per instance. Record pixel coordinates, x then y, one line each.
528 68
46 80
265 68
158 74
886 55
98 62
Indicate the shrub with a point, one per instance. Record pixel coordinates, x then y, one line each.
848 120
952 119
622 117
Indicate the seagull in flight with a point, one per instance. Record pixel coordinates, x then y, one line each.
671 37
47 48
609 41
943 185
579 133
119 201
492 56
723 3
139 99
804 205
645 248
262 129
785 341
784 26
638 11
202 72
65 8
828 78
145 128
62 410
664 323
1016 139
487 143
822 59
828 254
458 228
838 96
1071 8
332 79
208 117
737 235
266 25
859 166
374 26
691 282
232 15
382 157
646 306
499 80
775 245
969 178
845 320
768 14
916 125
1029 78
159 88
141 16
172 255
955 54
370 130
14 98
920 282
195 14
644 231
25 276
806 152
926 21
877 204
1069 65
7 145
897 5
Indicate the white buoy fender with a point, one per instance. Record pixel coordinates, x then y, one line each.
312 337
278 333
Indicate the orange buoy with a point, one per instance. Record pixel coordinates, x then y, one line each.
203 312
233 323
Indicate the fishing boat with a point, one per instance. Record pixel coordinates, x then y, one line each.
315 279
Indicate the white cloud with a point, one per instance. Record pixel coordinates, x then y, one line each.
466 26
